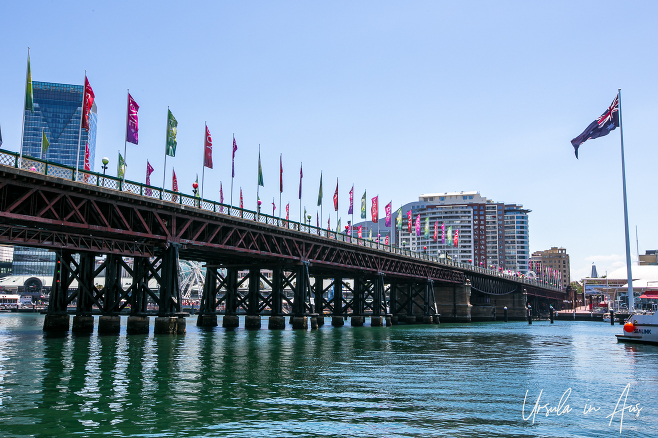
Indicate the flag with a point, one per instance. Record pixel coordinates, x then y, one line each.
287 211
450 231
131 124
88 102
374 210
0 137
351 209
281 173
174 182
363 205
207 157
260 172
336 197
387 210
427 228
338 227
418 225
436 230
149 171
121 167
386 242
443 233
328 224
221 194
44 142
359 232
273 207
197 183
456 239
301 175
320 192
398 219
606 122
241 203
235 148
29 92
317 221
409 221
87 163
370 234
172 130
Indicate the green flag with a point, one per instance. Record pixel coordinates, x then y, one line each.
427 227
320 193
399 219
29 95
370 235
449 232
363 205
260 172
121 167
172 130
44 142
338 226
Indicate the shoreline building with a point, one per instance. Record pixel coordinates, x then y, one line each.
57 112
492 234
556 259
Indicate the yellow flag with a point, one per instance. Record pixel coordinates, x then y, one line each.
44 142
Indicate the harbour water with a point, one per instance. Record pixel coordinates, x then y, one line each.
438 380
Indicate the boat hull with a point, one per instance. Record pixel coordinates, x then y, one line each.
645 330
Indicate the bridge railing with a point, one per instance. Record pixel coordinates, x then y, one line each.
8 158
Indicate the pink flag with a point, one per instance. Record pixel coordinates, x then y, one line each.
409 221
132 129
288 211
221 196
241 203
301 175
351 209
386 242
360 232
436 230
174 186
443 233
273 207
235 148
374 211
456 239
336 196
418 225
149 171
207 157
387 209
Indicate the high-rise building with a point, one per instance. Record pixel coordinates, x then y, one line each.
555 259
57 112
491 234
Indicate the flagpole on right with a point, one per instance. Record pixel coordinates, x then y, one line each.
125 136
631 297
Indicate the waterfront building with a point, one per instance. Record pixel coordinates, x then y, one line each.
492 234
556 259
650 257
57 112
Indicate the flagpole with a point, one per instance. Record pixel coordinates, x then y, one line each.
20 160
203 170
258 187
280 178
41 150
379 237
337 230
82 116
232 167
125 137
631 297
164 171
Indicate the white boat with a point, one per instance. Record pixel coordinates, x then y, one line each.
640 328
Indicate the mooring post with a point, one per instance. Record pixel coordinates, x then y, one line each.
551 310
529 314
612 317
505 313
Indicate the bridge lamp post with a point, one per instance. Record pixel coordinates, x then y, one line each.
105 162
195 189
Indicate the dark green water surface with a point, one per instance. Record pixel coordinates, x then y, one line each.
446 380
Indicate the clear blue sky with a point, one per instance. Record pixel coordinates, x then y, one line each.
399 98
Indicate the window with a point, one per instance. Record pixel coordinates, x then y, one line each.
470 197
464 197
442 198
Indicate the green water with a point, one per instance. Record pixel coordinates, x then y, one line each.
447 380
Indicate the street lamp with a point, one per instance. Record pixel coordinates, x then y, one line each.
105 161
195 188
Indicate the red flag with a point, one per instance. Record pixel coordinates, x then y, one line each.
235 148
88 102
374 211
336 196
87 165
241 204
360 232
436 230
149 171
288 211
273 207
221 197
386 242
455 241
207 158
174 187
281 173
409 221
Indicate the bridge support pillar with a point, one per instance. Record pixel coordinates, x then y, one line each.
208 304
453 302
357 321
231 320
277 323
206 320
170 294
337 316
56 323
515 303
85 294
140 286
137 325
83 324
109 324
376 321
167 325
113 290
299 323
318 298
252 322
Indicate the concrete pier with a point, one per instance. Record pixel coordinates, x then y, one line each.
166 325
395 319
375 321
56 323
389 320
277 323
230 321
109 324
357 321
252 322
337 321
453 302
410 319
320 319
299 323
427 319
181 325
83 324
314 321
206 320
137 325
436 319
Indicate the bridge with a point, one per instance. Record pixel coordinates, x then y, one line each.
256 264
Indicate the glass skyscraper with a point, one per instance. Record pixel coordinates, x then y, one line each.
57 111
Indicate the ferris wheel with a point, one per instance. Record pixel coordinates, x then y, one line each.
191 278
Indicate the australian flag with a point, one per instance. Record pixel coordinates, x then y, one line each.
608 121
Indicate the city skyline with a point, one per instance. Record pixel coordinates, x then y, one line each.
381 121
